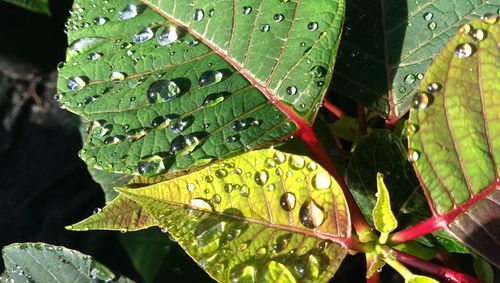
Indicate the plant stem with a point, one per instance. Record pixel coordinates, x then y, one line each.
391 123
439 271
333 109
309 137
423 228
361 119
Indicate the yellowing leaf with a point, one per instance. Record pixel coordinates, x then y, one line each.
383 218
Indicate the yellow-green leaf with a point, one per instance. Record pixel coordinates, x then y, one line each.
420 279
383 218
262 216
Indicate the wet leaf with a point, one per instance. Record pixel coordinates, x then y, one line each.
169 85
39 262
388 45
454 145
263 216
38 6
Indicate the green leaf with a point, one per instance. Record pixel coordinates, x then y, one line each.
37 6
109 180
454 144
483 270
420 279
417 249
39 262
388 45
383 218
224 76
262 216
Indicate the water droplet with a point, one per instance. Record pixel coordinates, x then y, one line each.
432 25
410 129
209 179
239 126
247 10
278 17
489 18
428 16
144 35
312 166
317 72
163 91
312 26
291 90
77 83
97 210
199 14
220 173
296 162
270 163
464 29
94 56
117 76
161 122
168 35
129 12
420 76
420 101
178 125
211 13
232 139
190 187
201 204
271 188
184 145
311 215
409 79
213 99
282 242
113 140
151 166
433 87
478 35
210 78
463 50
83 44
243 273
244 191
413 155
288 201
265 28
100 21
261 177
279 157
321 181
136 134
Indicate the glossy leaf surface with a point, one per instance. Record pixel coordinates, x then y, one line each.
263 216
39 262
388 45
169 85
454 140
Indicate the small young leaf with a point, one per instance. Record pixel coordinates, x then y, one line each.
383 218
254 217
375 263
39 262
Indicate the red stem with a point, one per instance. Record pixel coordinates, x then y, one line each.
439 271
361 119
309 137
391 123
333 109
423 228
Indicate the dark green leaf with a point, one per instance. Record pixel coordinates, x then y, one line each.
38 6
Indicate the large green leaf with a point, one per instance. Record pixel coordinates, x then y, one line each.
388 45
38 6
39 262
455 147
168 85
262 216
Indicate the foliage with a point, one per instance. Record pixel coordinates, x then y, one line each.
38 6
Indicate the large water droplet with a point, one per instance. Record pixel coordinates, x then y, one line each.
278 17
489 18
77 83
247 10
178 125
136 134
478 35
144 35
151 166
291 90
129 12
279 157
317 72
113 140
202 204
311 215
428 16
261 177
161 122
167 35
265 28
199 14
288 201
297 162
420 101
232 139
210 78
184 145
409 79
463 50
163 91
322 181
239 126
312 26
213 99
220 173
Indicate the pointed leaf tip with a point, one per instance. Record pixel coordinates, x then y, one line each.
383 218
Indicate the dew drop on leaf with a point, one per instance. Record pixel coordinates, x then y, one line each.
117 76
420 101
296 162
93 56
162 91
167 35
100 21
312 26
213 99
129 12
136 134
184 145
291 90
281 242
428 16
311 215
247 10
199 14
244 191
432 25
161 122
239 126
317 72
278 17
178 125
409 79
279 157
209 179
478 35
433 87
489 18
151 166
77 83
265 28
190 187
464 29
113 140
413 155
220 173
288 201
202 204
261 177
232 139
463 50
144 35
210 78
321 181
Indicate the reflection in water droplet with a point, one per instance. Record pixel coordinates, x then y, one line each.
464 29
413 155
199 14
216 198
117 76
311 215
261 177
210 78
244 191
162 91
151 166
213 99
317 72
279 157
161 122
265 28
291 90
278 17
489 18
144 35
270 163
190 187
409 79
312 166
113 140
129 12
100 21
428 16
288 201
433 87
220 173
93 56
463 50
321 181
312 26
184 145
432 25
136 134
247 10
209 179
478 35
178 125
167 35
420 101
296 162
